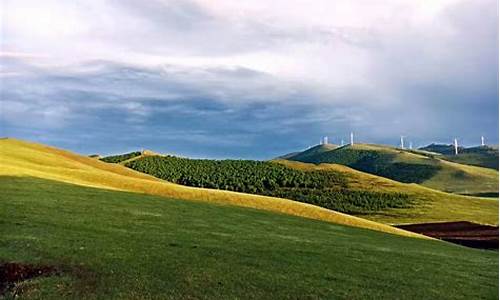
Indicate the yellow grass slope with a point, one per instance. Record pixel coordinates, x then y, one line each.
20 158
452 177
435 206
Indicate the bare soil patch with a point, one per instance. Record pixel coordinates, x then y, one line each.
12 273
463 233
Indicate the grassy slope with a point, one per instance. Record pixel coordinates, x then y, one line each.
19 158
464 179
311 152
118 245
434 206
482 156
475 159
452 177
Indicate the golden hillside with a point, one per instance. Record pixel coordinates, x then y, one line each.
436 206
20 158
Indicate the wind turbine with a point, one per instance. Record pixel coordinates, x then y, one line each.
352 139
482 141
456 147
402 142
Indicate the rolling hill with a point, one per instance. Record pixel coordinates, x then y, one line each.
430 205
311 152
331 186
328 189
20 158
481 156
409 166
74 227
67 241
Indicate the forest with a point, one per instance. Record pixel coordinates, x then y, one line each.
379 163
327 189
120 158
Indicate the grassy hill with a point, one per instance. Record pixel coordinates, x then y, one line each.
334 187
102 231
311 152
430 205
20 158
328 189
121 157
104 244
482 156
411 167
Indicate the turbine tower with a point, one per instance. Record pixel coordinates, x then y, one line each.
342 142
402 142
411 145
325 140
456 147
482 141
352 139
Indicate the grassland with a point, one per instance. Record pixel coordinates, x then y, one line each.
326 189
119 245
311 152
19 158
482 156
432 205
121 157
475 159
410 167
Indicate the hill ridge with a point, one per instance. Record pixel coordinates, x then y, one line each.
410 166
21 158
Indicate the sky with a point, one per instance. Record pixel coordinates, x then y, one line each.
247 79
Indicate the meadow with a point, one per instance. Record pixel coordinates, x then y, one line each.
118 245
20 158
430 205
407 166
325 188
481 156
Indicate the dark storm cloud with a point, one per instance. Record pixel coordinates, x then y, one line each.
189 78
114 107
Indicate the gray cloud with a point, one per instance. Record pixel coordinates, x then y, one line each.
188 77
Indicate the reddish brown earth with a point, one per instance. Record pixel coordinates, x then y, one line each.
462 233
12 273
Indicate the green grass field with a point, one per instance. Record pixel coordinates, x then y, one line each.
430 205
119 245
19 158
482 156
475 159
408 167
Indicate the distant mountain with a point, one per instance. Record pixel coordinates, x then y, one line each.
121 157
20 159
441 149
408 166
288 155
124 158
312 152
331 186
482 156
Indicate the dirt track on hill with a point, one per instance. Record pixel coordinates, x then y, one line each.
463 233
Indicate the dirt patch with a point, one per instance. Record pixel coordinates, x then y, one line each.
12 273
463 233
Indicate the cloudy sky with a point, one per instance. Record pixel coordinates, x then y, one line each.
248 79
